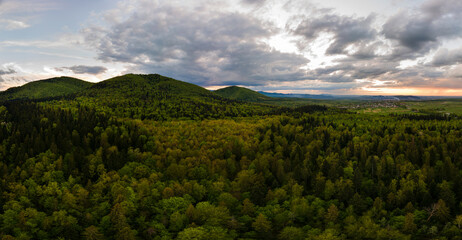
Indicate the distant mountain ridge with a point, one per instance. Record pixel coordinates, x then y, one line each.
296 95
53 87
337 97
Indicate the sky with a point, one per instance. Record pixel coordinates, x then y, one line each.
341 47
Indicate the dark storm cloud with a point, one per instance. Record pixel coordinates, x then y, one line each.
81 69
199 46
346 30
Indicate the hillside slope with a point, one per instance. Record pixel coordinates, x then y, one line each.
241 94
157 97
53 87
247 95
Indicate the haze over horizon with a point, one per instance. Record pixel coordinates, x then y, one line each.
357 47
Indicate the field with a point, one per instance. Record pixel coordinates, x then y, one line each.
447 106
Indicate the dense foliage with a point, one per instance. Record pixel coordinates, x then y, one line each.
159 98
77 171
240 93
247 95
45 89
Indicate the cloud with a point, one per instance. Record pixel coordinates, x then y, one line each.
13 74
22 14
81 69
456 72
346 30
193 42
8 24
196 44
351 69
424 28
408 34
253 2
366 49
7 71
27 6
444 57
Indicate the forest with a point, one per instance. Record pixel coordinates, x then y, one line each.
148 157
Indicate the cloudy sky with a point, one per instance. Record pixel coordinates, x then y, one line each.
299 46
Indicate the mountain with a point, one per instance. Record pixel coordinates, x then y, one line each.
151 96
150 84
241 94
53 87
157 97
279 100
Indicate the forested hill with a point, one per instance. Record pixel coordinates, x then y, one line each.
247 95
47 88
133 85
86 167
242 94
157 97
